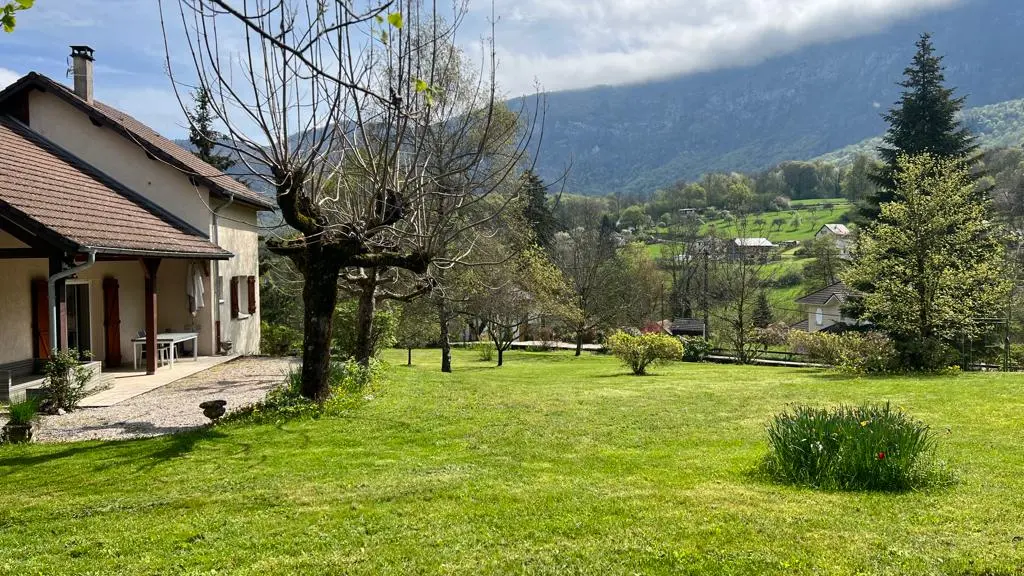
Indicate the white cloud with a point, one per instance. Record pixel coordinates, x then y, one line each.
567 44
7 77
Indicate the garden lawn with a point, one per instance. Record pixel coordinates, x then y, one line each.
549 465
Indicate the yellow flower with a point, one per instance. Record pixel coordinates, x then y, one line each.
864 422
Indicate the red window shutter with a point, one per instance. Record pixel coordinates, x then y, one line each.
234 296
252 294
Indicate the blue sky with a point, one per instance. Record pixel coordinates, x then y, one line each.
560 44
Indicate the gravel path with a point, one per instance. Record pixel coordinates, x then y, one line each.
172 408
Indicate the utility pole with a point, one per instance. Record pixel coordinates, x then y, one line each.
704 297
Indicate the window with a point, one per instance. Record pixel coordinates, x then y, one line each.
243 296
819 317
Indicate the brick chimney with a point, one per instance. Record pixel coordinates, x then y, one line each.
81 58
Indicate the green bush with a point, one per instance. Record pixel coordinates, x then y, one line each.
695 348
484 349
850 448
639 352
279 340
854 352
385 328
21 413
350 384
66 379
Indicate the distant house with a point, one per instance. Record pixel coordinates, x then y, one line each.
823 309
839 234
687 327
753 248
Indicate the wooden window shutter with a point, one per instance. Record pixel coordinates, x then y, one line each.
234 296
251 293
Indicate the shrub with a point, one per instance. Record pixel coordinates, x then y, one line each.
22 413
870 447
349 384
484 349
66 379
383 333
788 279
279 340
639 352
870 352
695 348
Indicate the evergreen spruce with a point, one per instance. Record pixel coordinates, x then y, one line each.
924 121
538 210
762 316
202 135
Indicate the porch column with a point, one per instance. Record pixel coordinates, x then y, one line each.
150 266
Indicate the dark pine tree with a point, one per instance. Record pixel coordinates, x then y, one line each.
924 120
538 210
762 316
202 135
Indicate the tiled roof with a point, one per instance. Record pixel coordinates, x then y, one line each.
837 229
838 290
67 201
220 184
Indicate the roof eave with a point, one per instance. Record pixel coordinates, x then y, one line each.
36 80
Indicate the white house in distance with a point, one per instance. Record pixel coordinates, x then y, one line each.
753 248
824 309
111 234
839 234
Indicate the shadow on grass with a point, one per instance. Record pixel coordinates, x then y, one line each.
147 452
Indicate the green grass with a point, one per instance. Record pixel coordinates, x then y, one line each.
549 465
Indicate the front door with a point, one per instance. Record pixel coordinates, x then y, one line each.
79 319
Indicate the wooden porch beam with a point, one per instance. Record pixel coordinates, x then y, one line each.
150 266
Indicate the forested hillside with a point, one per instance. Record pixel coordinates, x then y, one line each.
995 126
819 99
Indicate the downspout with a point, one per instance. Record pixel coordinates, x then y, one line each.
215 274
51 285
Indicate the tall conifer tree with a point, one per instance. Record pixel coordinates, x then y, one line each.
924 121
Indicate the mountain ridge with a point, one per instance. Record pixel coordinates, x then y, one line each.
799 106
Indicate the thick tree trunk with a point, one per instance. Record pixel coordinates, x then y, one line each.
579 342
409 361
501 360
364 320
446 344
319 294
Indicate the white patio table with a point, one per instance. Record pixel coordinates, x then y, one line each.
171 339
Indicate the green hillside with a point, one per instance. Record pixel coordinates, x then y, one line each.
996 126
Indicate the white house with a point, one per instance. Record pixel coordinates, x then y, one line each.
824 308
111 234
839 234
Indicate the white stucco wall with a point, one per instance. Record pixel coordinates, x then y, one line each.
237 233
8 241
120 158
830 314
16 306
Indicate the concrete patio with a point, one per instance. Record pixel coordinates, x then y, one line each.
124 383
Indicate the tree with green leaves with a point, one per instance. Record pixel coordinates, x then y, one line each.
826 262
417 325
202 134
931 267
537 209
7 10
924 121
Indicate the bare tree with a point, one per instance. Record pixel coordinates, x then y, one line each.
384 147
735 284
